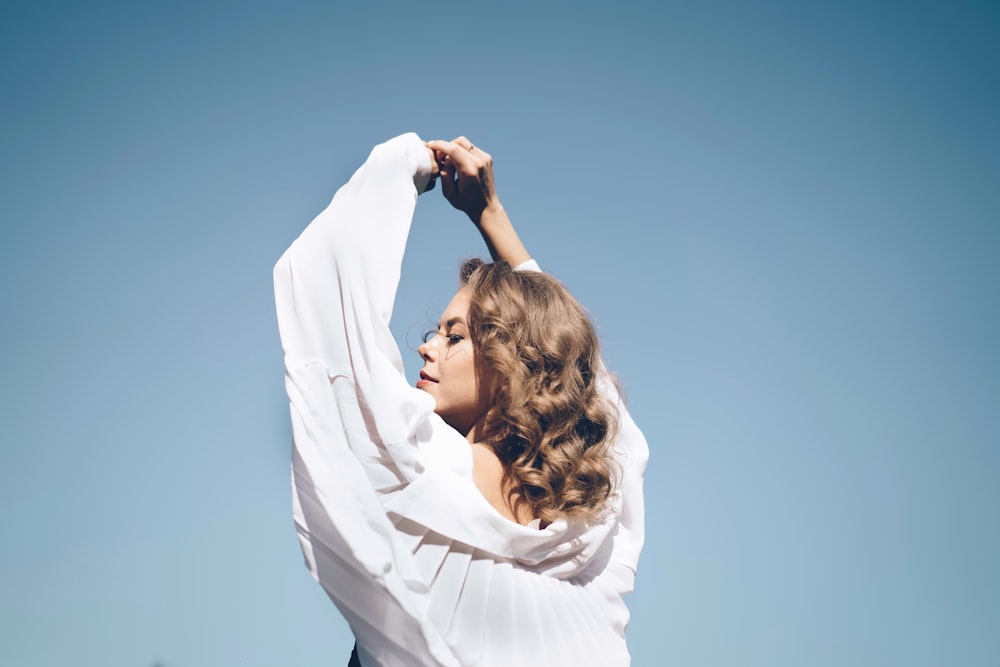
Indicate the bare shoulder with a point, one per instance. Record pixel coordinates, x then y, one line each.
487 473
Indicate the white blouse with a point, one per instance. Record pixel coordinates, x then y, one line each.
423 568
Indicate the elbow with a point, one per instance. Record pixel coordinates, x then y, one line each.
281 274
281 268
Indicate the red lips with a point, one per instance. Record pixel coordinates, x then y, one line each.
425 380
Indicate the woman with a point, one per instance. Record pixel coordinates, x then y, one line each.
478 518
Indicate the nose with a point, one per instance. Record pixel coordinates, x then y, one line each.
428 349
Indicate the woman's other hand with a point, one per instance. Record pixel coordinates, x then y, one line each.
466 177
435 170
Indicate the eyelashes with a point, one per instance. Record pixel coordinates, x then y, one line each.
452 338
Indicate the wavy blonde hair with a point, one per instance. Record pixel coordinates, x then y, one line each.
548 424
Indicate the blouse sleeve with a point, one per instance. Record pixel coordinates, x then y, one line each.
355 420
334 290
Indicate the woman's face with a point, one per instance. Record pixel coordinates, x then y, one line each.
462 394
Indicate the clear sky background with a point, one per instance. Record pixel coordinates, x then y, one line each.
784 217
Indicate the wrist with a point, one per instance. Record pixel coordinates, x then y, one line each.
491 216
500 236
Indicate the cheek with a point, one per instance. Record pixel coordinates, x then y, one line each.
469 374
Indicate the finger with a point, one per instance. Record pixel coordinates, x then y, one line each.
464 143
446 147
435 162
478 153
483 159
466 162
440 160
457 147
448 186
448 150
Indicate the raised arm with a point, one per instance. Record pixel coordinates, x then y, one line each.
357 241
354 416
467 182
335 288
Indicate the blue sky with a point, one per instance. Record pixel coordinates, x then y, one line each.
783 217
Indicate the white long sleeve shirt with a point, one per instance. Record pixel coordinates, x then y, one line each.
391 524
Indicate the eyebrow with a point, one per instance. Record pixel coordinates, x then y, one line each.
452 322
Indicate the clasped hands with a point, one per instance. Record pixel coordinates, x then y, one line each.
466 173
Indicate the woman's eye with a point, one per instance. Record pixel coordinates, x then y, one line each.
454 339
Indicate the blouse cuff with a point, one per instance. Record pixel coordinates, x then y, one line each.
418 158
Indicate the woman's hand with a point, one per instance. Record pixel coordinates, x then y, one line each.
466 177
467 184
